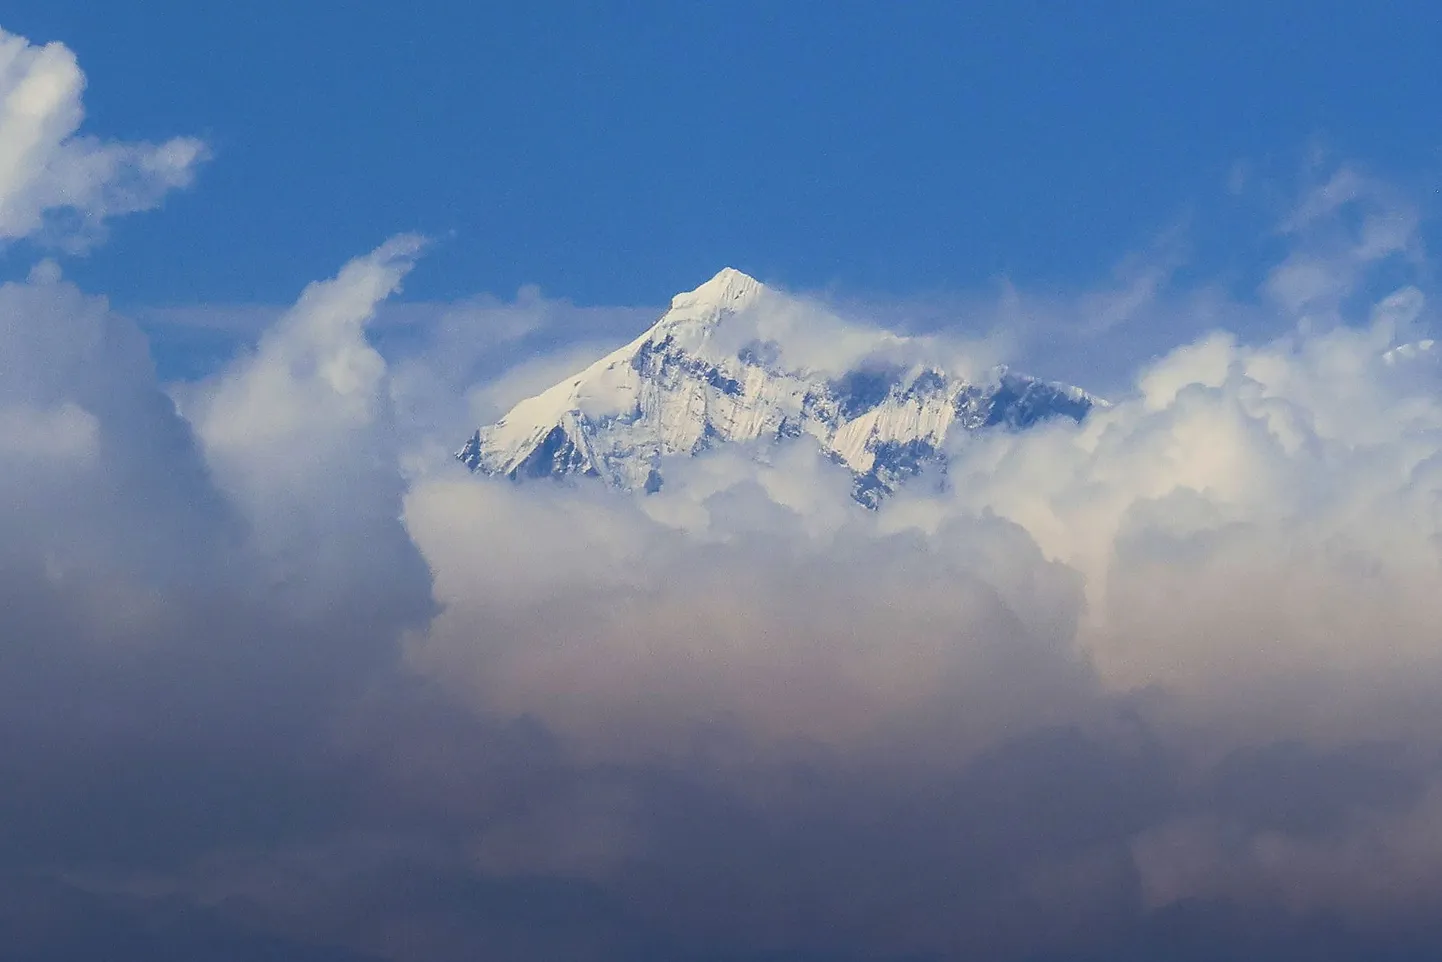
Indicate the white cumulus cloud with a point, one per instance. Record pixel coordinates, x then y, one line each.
55 182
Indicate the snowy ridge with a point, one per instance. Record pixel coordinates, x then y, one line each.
685 386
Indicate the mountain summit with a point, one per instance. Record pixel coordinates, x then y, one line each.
717 368
728 290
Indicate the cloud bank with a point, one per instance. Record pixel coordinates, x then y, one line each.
280 679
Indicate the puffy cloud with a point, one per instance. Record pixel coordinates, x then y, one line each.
66 433
311 384
281 671
1257 524
1221 587
300 435
628 634
56 183
104 468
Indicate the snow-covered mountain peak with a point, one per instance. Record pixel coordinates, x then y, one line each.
729 290
704 375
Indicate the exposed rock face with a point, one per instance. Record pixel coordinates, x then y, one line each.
681 388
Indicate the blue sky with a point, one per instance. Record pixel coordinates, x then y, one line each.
615 153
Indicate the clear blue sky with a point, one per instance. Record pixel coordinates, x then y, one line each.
613 153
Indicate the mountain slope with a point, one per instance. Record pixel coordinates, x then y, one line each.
706 374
